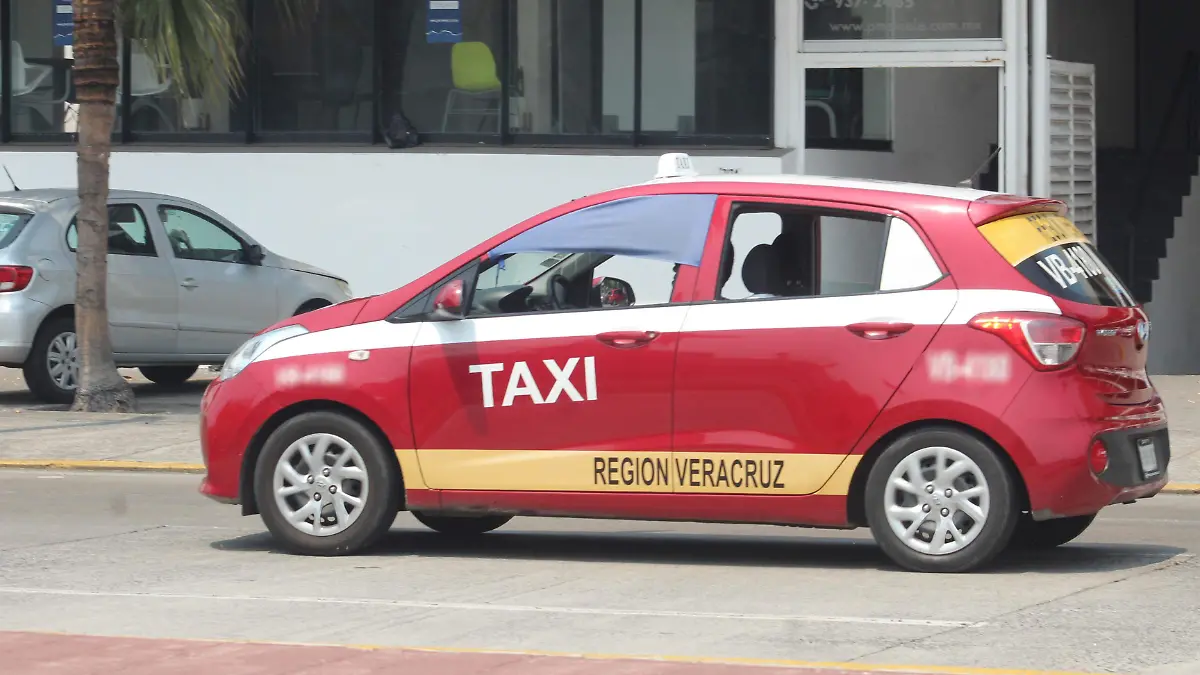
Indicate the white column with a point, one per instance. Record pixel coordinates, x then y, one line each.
1040 99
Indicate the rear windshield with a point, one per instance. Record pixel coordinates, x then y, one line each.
11 225
1053 254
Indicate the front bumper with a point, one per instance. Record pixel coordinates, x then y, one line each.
226 432
20 318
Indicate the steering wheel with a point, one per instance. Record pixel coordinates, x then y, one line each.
556 281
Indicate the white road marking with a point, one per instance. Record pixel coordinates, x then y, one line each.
480 607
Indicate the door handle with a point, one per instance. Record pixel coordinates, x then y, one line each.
879 330
189 283
626 339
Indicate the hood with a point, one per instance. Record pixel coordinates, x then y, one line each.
297 266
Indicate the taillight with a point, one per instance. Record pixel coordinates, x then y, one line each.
1047 341
13 278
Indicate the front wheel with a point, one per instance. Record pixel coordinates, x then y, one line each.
1045 534
940 500
460 525
326 486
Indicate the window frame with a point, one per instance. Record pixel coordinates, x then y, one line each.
244 108
707 290
73 226
245 245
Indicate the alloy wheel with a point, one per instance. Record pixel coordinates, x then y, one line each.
937 501
62 361
320 484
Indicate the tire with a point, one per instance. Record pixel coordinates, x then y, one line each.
992 496
1033 535
55 335
168 376
379 496
311 306
461 525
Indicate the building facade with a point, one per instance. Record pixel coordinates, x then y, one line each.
522 104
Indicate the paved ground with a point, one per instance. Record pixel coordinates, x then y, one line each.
142 555
165 429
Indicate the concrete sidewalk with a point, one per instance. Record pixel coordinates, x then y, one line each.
166 440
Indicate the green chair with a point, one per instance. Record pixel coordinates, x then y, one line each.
474 72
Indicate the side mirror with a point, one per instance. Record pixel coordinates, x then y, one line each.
448 303
255 254
612 292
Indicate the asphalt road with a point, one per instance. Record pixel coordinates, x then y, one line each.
143 555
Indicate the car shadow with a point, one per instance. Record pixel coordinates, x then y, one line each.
658 547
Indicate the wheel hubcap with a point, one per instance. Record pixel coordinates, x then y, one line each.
937 501
320 484
62 361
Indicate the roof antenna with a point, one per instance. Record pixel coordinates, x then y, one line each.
10 179
970 182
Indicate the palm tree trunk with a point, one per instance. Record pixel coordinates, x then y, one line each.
96 71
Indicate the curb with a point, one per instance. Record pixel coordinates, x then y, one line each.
102 465
185 467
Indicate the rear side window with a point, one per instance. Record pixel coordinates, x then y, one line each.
1053 254
11 224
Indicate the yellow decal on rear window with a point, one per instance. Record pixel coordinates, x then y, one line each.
1020 237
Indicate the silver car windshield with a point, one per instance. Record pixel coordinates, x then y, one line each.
11 225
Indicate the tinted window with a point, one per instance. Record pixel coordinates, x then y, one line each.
11 225
127 232
1051 252
195 237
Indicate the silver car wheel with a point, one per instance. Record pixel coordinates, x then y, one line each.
62 361
937 501
320 484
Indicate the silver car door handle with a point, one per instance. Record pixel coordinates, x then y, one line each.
190 283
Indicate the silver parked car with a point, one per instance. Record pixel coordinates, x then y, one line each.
185 287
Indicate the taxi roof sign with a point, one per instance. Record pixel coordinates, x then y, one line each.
675 165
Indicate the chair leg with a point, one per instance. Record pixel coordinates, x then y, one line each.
451 99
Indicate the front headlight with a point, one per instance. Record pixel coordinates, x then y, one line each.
255 346
344 287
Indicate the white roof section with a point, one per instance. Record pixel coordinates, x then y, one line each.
923 189
688 175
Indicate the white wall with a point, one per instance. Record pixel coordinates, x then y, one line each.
379 219
1174 312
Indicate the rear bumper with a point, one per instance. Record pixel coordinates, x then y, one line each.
20 318
1058 430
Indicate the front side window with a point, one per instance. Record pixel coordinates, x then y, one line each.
624 253
195 237
127 232
776 251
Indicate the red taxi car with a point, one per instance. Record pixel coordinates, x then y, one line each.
958 370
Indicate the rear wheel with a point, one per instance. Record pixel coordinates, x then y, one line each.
168 376
311 306
52 369
325 485
460 525
1045 534
940 500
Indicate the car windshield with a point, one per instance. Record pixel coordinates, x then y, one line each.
519 269
11 224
